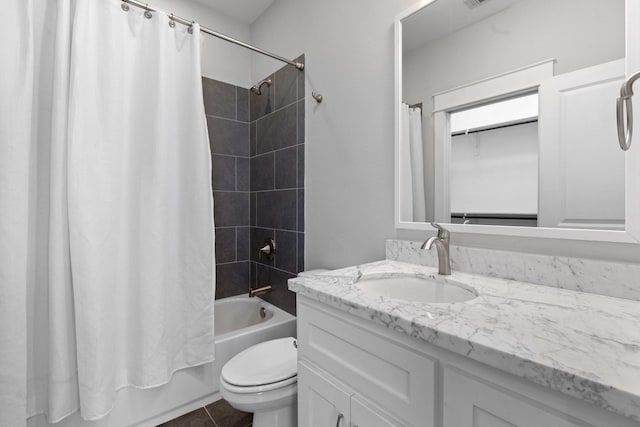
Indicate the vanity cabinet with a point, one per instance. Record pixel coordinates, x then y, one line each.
375 376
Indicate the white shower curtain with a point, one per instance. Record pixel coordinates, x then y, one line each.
107 213
16 89
412 196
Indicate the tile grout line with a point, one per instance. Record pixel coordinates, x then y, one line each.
296 145
210 416
299 138
275 111
297 183
226 118
259 191
235 241
274 267
255 196
232 262
273 190
273 100
275 83
255 147
232 155
235 175
275 229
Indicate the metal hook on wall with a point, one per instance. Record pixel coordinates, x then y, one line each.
317 96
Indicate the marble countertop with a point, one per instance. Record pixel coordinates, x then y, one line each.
583 345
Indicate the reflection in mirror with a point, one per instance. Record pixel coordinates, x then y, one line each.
489 145
507 114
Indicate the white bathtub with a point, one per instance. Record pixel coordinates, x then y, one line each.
238 326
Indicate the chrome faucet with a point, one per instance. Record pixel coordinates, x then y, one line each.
442 246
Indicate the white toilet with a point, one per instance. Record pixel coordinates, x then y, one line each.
263 379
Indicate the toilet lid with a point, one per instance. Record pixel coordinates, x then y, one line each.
264 363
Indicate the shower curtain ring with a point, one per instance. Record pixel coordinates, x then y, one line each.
190 30
124 6
147 12
172 23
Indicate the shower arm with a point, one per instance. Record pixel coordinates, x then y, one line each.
625 133
257 89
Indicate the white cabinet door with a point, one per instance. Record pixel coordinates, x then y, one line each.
581 166
387 372
362 415
321 403
469 402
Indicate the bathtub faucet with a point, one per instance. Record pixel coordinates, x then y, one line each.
262 290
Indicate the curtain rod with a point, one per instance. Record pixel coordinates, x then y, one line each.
298 65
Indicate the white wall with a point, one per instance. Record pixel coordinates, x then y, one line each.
349 154
221 60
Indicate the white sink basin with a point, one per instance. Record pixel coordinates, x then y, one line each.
412 288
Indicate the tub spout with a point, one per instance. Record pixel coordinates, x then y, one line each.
262 290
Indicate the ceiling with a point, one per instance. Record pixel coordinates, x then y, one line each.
245 11
444 17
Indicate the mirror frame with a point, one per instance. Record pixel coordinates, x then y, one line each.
631 233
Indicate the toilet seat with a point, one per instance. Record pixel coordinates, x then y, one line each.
258 388
266 366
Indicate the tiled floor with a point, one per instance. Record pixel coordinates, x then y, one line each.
217 414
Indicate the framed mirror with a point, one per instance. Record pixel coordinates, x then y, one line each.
505 118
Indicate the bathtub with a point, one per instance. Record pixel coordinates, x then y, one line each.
238 325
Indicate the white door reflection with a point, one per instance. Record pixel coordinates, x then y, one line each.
494 163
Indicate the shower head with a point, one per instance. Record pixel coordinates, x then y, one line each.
257 89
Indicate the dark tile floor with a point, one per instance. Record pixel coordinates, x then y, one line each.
217 414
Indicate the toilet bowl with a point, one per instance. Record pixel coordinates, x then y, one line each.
263 379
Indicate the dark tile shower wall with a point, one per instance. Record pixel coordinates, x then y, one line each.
277 183
227 110
257 148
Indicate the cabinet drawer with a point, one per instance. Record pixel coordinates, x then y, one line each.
384 371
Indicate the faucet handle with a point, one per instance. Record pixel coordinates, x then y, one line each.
443 233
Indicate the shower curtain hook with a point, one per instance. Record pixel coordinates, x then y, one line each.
124 6
190 30
172 23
